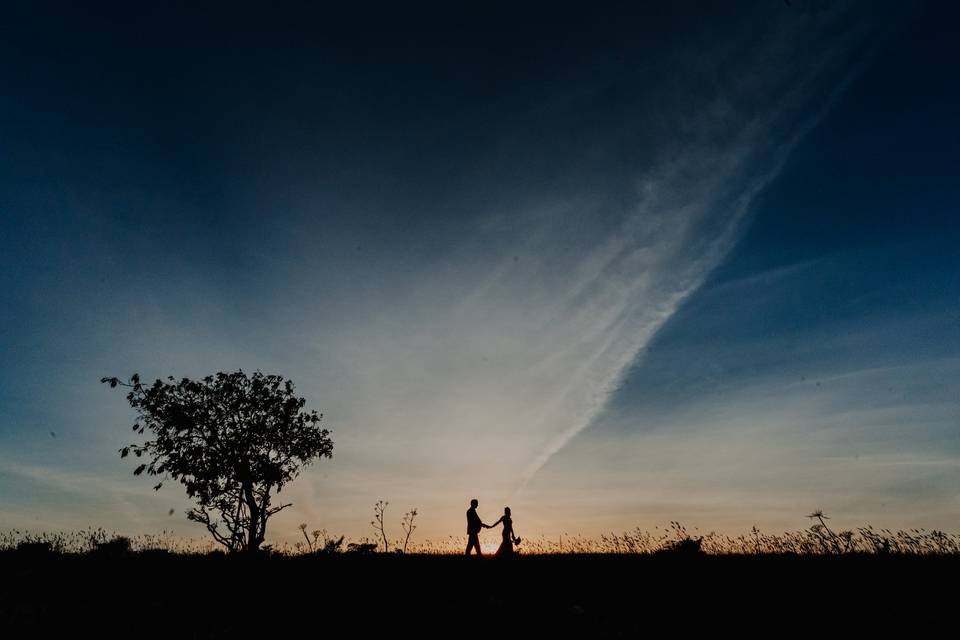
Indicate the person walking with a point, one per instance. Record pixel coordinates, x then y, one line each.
474 525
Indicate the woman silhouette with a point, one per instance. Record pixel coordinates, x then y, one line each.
506 547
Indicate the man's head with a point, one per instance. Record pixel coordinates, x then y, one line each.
474 503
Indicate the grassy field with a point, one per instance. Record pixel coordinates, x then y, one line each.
674 594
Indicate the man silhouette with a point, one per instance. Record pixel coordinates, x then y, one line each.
474 524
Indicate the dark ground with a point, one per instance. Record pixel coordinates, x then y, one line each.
153 595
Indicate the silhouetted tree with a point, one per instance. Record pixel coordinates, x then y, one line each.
232 440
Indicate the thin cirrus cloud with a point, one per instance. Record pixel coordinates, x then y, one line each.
868 445
478 376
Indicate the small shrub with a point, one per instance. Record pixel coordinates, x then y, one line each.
35 548
684 546
117 546
362 547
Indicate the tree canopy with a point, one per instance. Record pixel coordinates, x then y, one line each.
232 440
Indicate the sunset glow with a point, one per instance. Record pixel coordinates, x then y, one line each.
690 263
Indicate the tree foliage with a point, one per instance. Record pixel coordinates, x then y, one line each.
232 440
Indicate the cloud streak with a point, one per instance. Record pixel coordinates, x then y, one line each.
516 363
641 311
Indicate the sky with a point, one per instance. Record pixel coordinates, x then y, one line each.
612 265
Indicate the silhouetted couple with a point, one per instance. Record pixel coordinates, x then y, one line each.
474 524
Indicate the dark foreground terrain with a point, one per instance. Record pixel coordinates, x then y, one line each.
161 595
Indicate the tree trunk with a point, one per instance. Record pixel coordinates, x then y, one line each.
253 528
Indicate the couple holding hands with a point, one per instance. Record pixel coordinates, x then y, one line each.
474 524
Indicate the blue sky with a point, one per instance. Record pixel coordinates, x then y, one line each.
816 367
610 266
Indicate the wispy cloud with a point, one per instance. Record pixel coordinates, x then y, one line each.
478 371
866 444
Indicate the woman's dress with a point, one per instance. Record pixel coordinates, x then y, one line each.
506 547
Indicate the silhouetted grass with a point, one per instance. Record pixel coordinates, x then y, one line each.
665 591
91 540
816 541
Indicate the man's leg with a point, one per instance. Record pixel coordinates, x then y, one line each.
473 540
